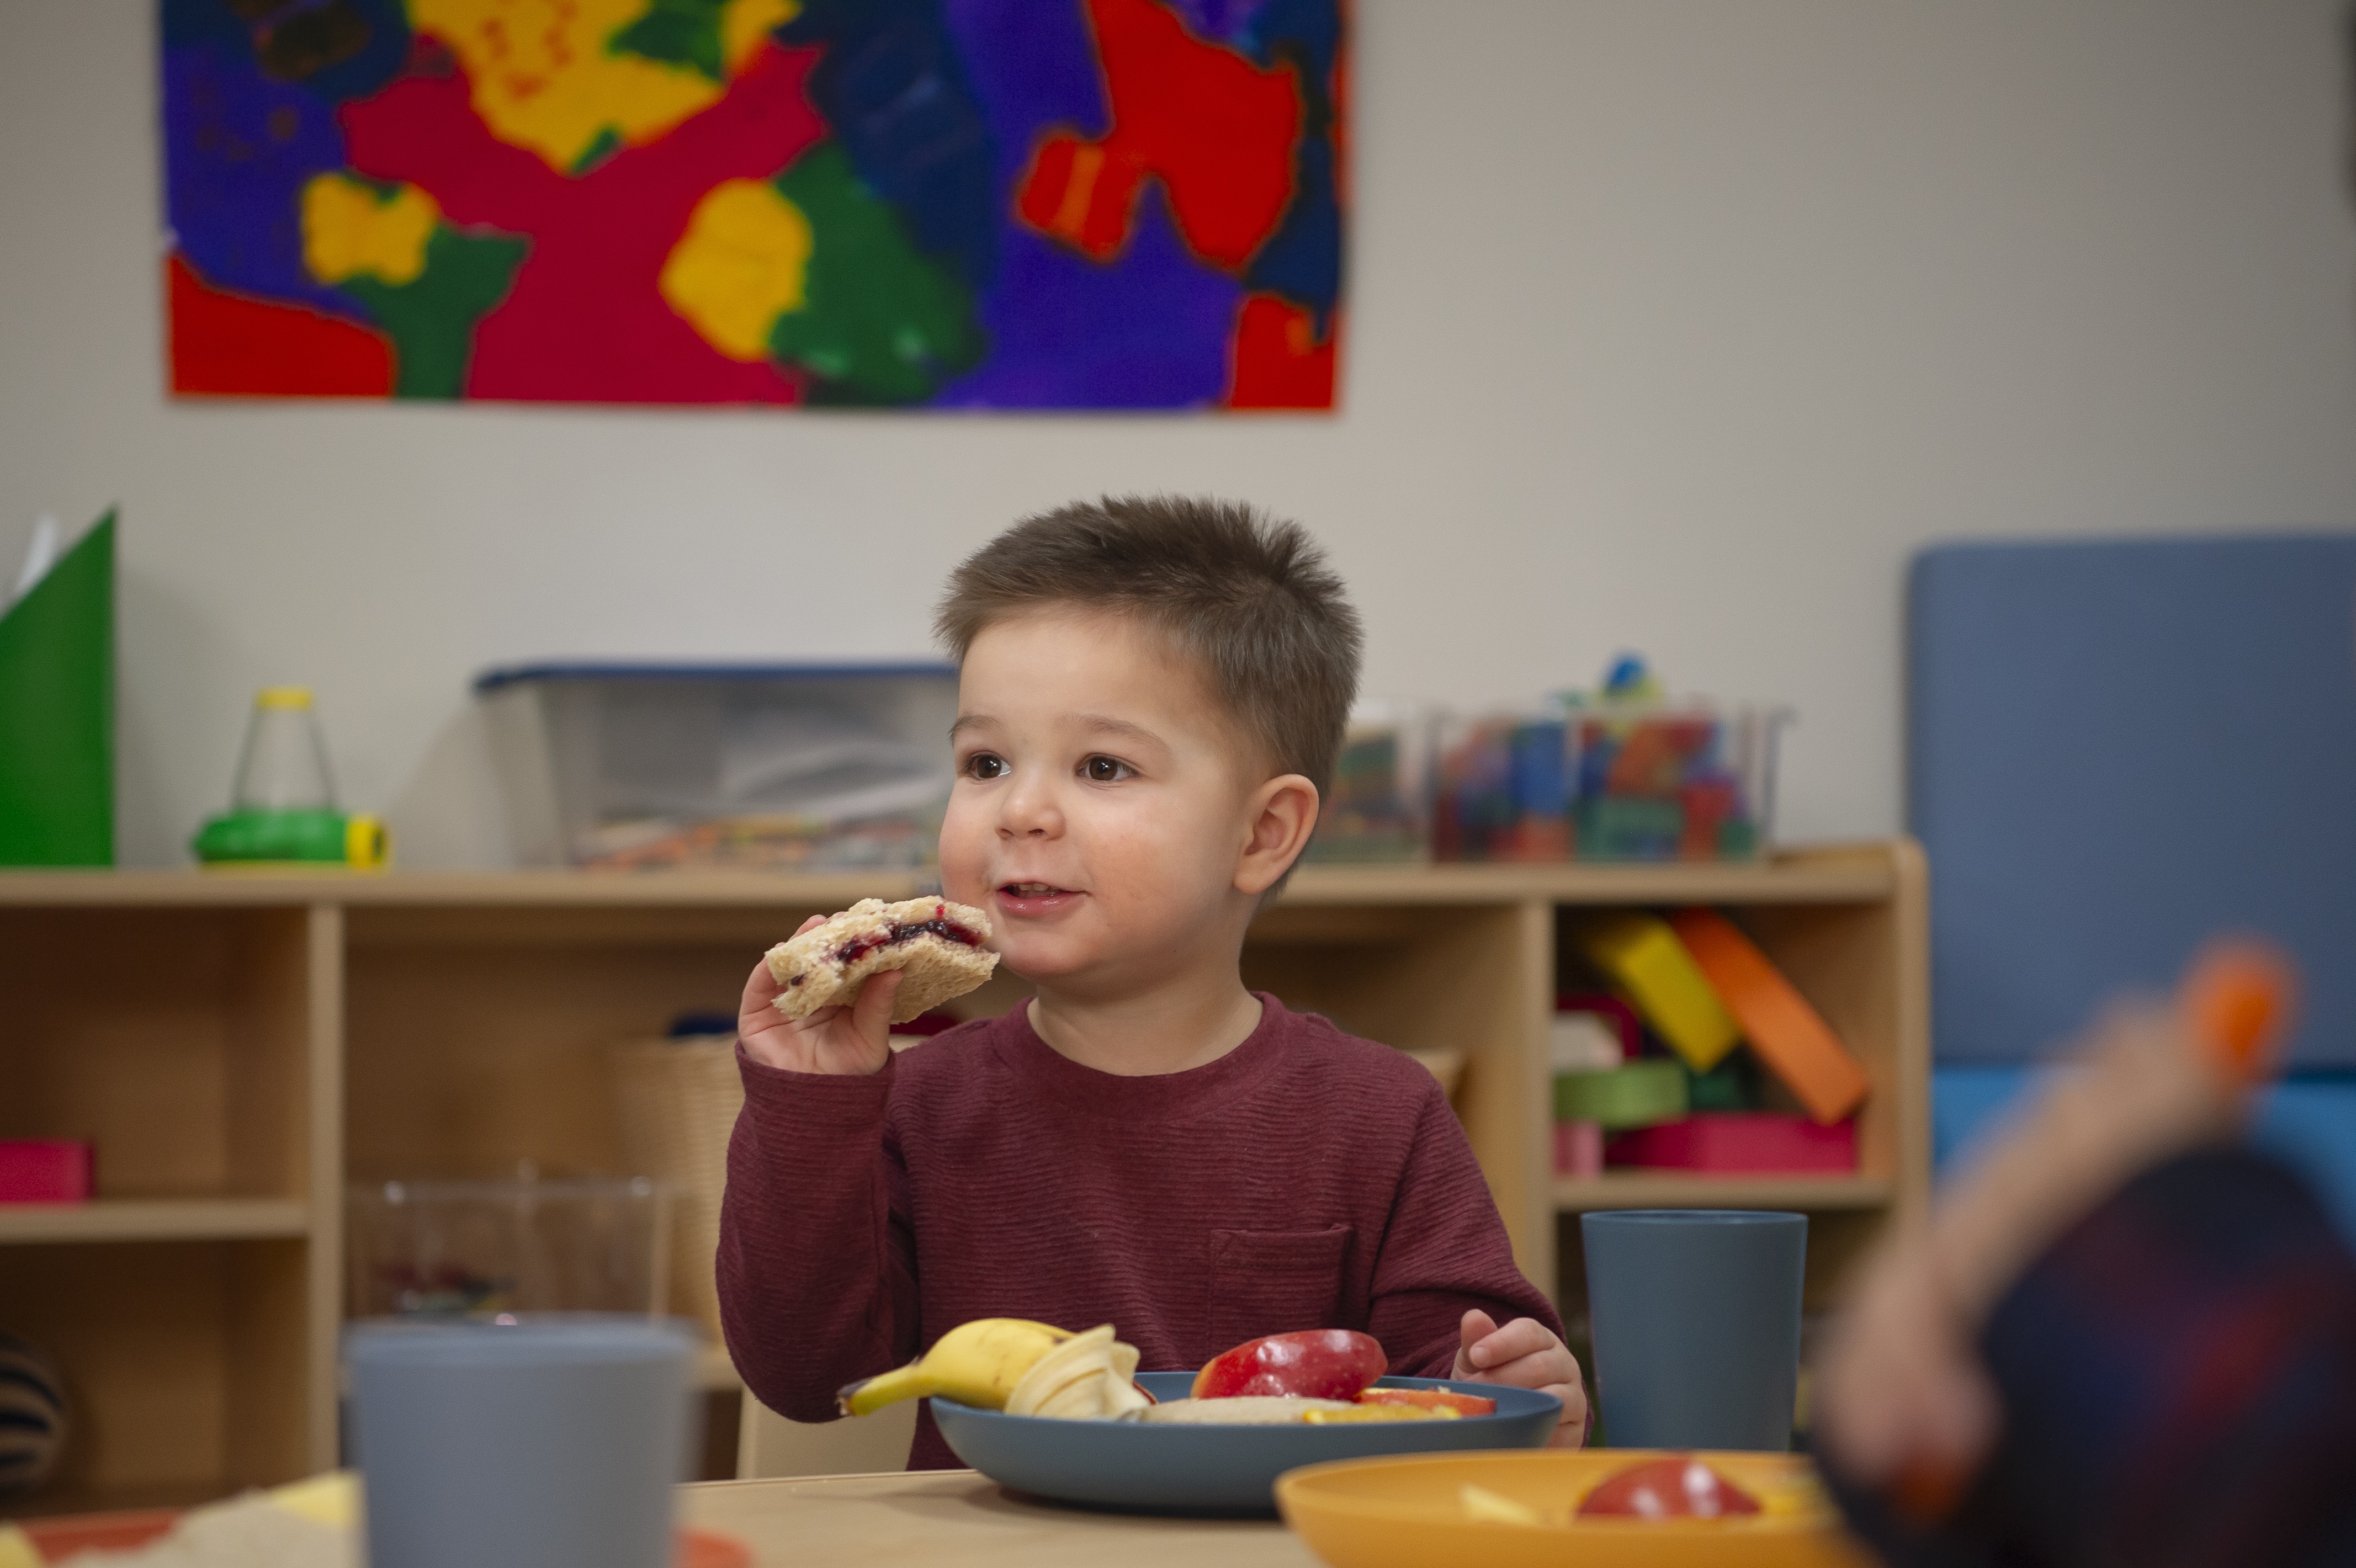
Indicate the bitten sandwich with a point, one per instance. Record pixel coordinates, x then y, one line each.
939 944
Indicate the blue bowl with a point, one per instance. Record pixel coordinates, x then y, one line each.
1152 1468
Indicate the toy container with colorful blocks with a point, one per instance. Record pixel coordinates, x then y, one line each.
1656 780
1501 788
1376 810
1617 774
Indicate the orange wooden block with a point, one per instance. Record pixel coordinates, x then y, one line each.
1790 1037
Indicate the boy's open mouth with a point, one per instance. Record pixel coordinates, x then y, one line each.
1033 894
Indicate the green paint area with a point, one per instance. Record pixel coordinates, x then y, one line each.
879 323
57 713
431 319
609 143
677 32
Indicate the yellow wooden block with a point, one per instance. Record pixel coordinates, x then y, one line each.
1646 959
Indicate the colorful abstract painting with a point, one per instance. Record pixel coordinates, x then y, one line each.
978 204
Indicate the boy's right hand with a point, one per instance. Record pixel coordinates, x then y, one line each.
852 1039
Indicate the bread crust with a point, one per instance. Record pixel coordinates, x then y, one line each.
812 972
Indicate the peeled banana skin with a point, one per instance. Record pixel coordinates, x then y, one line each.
975 1363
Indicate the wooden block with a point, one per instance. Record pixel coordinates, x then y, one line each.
1785 1033
1636 1096
45 1170
1734 1142
1644 955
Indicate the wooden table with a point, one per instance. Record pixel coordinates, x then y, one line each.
958 1519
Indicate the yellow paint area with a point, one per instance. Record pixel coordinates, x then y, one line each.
739 266
744 23
542 79
350 230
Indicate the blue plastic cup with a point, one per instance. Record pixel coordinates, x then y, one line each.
1696 1315
553 1440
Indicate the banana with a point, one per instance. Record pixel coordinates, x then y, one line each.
975 1363
1089 1376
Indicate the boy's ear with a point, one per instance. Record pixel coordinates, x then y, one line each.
1283 813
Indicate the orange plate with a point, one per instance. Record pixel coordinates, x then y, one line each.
1408 1513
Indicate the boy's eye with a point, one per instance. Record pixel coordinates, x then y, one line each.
1106 769
985 765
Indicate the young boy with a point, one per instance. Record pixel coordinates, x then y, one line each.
1152 693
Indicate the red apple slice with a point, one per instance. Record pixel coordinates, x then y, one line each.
1678 1487
1314 1363
1430 1399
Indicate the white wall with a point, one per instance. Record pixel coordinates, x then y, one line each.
1676 324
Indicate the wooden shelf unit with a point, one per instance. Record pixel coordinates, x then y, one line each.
240 1047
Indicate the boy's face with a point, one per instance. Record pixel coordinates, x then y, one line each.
1103 804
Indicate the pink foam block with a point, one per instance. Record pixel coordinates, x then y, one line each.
1579 1148
46 1170
1738 1141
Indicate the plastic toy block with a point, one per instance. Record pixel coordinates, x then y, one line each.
1610 1009
46 1170
1636 1096
1740 1143
1644 955
1582 1042
1731 1085
1787 1034
1594 1033
1579 1148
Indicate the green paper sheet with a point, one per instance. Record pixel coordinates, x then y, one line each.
57 713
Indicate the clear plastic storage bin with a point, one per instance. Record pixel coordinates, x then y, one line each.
1617 781
446 1248
789 767
1376 807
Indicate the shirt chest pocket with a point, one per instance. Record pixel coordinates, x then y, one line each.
1273 1282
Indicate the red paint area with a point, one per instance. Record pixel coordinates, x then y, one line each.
1279 363
585 321
1217 129
225 344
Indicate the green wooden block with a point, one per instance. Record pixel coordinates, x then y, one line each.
1731 1085
1640 1094
57 713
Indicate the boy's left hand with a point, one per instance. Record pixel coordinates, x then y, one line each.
1525 1353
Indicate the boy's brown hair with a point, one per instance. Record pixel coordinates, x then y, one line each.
1249 597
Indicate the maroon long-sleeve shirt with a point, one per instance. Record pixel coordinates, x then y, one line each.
1306 1179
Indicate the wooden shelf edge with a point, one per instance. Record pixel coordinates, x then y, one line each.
1667 1189
156 1220
714 1372
1840 874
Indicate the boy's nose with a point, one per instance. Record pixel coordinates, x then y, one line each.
1029 812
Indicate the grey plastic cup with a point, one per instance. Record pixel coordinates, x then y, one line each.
1695 1314
550 1441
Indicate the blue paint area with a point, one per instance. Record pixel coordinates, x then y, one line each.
2117 750
1302 259
1220 21
1148 331
2308 1120
187 23
240 148
1034 68
894 90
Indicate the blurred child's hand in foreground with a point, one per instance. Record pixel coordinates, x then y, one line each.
852 1039
1525 1353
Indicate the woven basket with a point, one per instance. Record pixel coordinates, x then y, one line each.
678 1099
